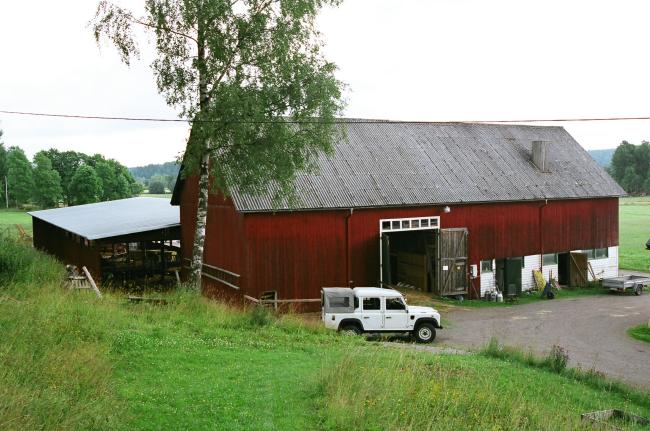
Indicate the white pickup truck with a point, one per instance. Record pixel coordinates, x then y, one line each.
372 309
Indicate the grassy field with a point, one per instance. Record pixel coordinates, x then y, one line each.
9 218
71 361
641 332
634 216
164 196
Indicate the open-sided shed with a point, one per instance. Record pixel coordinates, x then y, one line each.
116 240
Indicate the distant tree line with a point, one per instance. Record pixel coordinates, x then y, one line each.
630 167
148 171
157 178
69 177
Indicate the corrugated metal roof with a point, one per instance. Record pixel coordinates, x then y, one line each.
380 164
113 218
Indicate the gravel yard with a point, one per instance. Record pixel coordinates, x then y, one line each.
592 329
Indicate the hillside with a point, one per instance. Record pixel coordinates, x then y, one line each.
142 173
603 157
196 364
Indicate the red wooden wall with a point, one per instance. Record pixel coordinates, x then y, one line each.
68 248
297 253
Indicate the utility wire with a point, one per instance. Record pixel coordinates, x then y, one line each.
337 121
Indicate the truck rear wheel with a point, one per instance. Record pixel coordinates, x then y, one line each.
425 333
350 329
638 289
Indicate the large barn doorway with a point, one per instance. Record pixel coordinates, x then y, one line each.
416 253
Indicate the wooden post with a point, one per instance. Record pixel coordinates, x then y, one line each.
91 281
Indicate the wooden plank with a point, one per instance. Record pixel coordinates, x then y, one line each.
155 301
250 298
91 281
212 277
591 271
216 268
286 301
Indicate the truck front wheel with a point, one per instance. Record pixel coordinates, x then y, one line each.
425 333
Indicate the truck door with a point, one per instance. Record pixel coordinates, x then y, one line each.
395 315
372 314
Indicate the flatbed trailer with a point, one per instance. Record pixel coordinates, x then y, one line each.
636 283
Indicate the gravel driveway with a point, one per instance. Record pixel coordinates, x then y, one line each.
592 329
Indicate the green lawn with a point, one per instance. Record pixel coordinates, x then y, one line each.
529 297
634 216
148 195
9 218
71 361
641 332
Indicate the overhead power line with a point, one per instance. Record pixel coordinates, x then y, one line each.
337 121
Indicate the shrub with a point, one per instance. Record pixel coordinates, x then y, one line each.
260 316
557 359
156 188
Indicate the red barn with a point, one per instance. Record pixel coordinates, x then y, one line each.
452 208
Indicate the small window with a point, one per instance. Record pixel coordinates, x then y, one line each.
602 253
371 304
396 224
434 222
385 225
549 259
415 223
487 266
405 224
425 222
395 304
340 302
591 254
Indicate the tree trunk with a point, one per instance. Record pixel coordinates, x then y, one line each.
204 174
201 217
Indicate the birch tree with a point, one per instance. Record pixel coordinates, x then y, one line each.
251 76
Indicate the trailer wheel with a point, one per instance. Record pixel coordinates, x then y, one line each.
425 333
638 289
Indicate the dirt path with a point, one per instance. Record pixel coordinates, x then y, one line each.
592 329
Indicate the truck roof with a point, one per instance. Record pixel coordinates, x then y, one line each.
376 291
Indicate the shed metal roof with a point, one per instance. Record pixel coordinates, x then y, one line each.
113 218
379 164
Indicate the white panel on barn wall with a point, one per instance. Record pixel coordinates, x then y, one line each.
488 280
527 279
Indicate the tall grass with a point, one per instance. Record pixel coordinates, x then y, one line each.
556 361
404 390
25 267
54 368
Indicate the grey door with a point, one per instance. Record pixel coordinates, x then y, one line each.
452 276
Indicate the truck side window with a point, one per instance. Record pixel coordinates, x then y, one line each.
371 304
395 304
340 302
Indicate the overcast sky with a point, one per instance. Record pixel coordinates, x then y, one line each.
431 60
